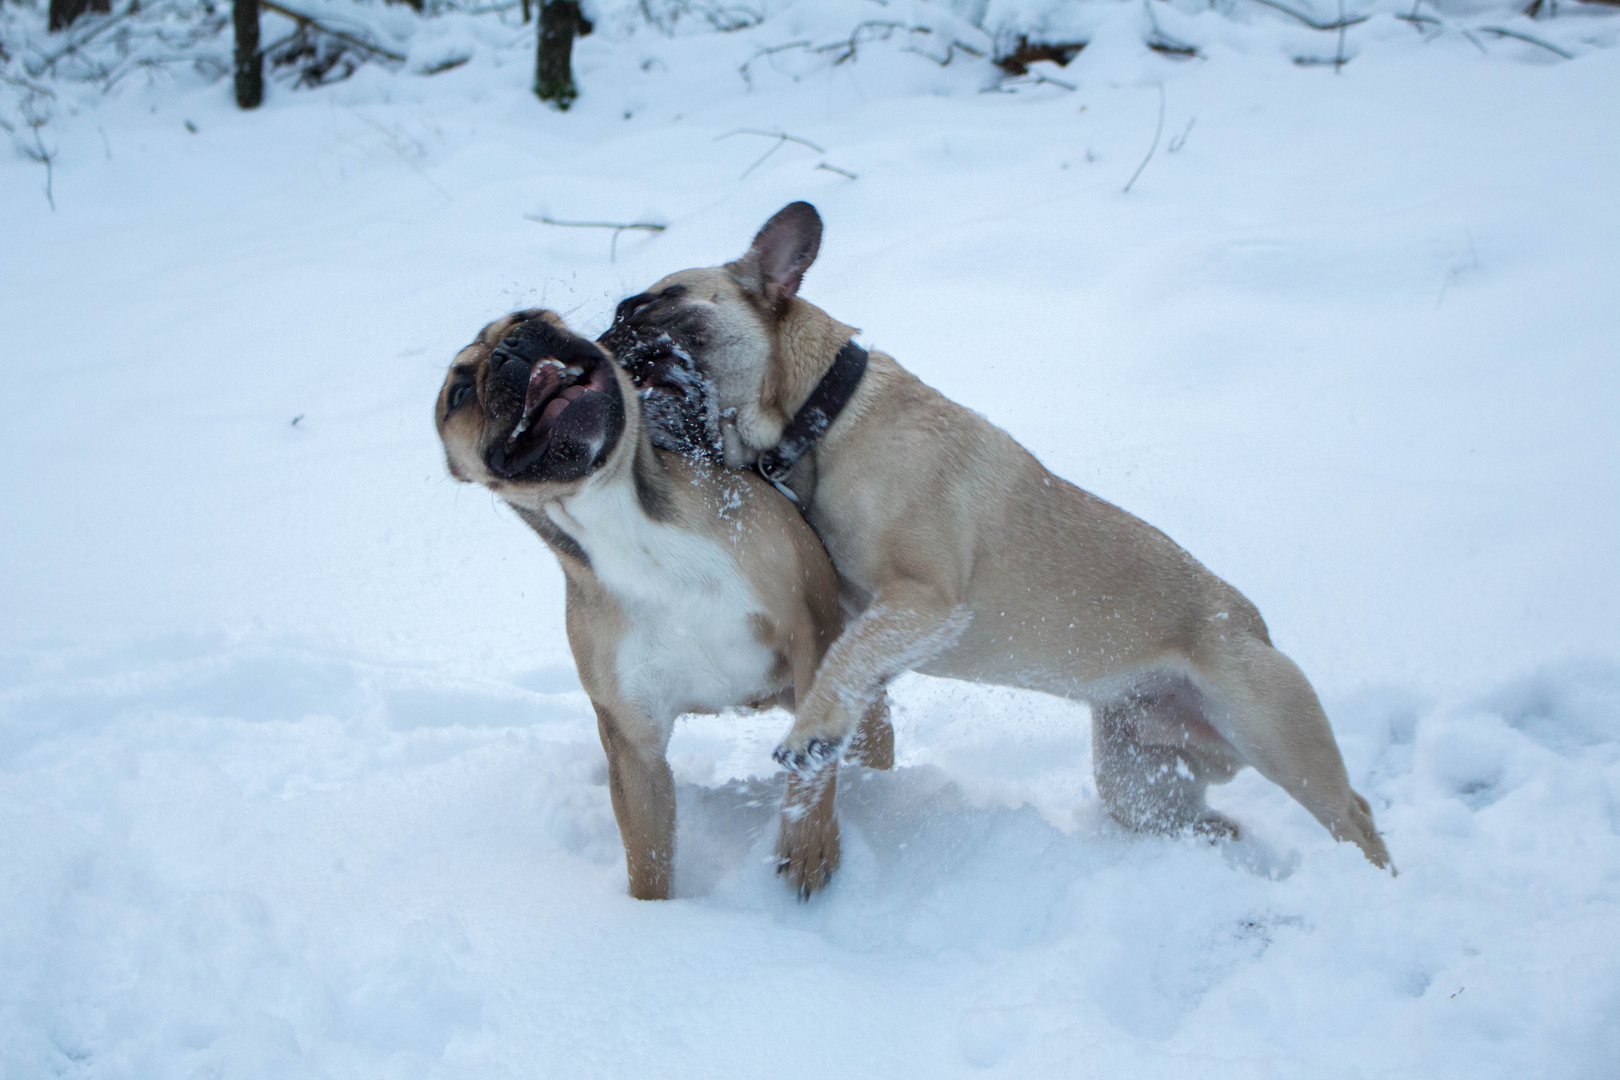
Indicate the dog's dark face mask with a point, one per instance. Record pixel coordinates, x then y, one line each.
542 406
656 338
702 344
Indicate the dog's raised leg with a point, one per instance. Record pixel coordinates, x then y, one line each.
906 625
1271 715
643 792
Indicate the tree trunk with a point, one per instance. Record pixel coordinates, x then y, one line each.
560 20
249 61
63 12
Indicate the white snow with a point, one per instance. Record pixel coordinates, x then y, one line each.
295 775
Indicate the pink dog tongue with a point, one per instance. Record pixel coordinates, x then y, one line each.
556 405
543 379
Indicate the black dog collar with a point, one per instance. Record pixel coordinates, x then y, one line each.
814 417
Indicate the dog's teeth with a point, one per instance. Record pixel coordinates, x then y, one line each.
576 372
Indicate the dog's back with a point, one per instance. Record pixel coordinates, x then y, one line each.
969 560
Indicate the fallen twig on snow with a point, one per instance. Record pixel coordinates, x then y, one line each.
199 61
1338 24
38 152
848 48
309 20
1157 131
1502 32
75 44
765 53
1181 140
950 49
852 43
773 135
780 137
25 84
1338 57
617 227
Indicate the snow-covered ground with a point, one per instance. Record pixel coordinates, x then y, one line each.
295 775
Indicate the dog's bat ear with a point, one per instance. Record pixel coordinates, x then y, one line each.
776 261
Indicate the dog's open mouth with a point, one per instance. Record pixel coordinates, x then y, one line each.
553 403
553 389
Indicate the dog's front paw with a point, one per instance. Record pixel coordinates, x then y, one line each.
807 851
1216 827
817 754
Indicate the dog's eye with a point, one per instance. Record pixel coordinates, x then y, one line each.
459 394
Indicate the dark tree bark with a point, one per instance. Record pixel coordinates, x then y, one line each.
560 21
249 61
63 12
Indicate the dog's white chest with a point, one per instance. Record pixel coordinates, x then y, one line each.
689 642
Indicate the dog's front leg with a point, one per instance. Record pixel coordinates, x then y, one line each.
907 624
643 792
807 850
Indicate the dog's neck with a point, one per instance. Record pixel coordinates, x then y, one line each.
634 467
807 343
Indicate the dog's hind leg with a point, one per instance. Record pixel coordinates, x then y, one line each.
643 793
1266 708
1151 774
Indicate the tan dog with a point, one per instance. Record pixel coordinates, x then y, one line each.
968 559
690 588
